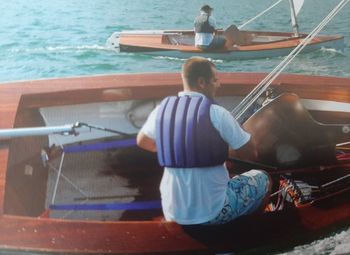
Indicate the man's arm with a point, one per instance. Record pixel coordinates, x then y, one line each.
246 152
243 158
212 22
145 142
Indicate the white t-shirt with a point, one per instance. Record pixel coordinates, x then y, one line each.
205 39
196 195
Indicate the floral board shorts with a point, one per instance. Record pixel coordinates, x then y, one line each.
244 195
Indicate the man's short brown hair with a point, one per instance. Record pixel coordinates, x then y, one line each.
196 67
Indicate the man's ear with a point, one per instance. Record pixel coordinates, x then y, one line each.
201 82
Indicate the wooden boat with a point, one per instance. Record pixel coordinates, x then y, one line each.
241 44
65 192
247 44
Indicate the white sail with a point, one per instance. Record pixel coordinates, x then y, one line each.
297 6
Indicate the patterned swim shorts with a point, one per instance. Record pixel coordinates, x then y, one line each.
244 195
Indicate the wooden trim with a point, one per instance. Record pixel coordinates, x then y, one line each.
154 42
48 235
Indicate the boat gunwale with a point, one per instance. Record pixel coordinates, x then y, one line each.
290 42
163 83
29 229
39 234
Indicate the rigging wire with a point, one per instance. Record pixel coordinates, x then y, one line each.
58 178
265 83
257 16
241 108
286 61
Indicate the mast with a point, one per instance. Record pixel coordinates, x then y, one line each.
294 17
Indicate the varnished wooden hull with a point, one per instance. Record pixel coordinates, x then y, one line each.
257 44
24 227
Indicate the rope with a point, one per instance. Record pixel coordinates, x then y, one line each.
257 16
335 181
280 190
82 124
265 83
57 180
300 191
68 180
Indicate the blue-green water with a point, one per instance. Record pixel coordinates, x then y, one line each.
41 39
45 39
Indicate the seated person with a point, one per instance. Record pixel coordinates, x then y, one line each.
204 26
192 135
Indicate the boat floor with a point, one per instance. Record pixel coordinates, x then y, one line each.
101 177
108 176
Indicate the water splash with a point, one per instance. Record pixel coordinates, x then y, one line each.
60 49
332 245
335 51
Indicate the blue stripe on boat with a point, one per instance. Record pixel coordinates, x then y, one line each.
100 146
138 205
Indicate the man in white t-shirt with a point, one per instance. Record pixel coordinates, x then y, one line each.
205 30
192 135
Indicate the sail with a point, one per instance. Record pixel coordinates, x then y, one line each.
297 6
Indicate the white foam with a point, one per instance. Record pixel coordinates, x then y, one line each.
338 244
61 48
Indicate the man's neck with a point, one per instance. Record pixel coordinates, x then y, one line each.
198 91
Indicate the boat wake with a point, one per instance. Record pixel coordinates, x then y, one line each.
62 49
332 50
183 59
169 58
335 244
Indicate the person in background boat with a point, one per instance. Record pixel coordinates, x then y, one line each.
192 135
205 30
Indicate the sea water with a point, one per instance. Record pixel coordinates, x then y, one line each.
45 39
64 38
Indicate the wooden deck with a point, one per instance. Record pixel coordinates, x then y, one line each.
249 42
25 232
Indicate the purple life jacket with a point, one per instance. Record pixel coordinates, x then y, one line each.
185 136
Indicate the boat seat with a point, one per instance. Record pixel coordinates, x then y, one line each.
234 36
287 136
180 39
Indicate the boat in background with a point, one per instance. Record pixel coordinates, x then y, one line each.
241 44
85 188
250 45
